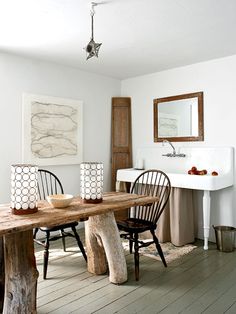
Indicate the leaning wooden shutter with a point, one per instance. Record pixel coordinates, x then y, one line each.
121 135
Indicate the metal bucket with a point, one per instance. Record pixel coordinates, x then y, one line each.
225 238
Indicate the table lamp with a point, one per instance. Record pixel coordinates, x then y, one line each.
24 190
91 182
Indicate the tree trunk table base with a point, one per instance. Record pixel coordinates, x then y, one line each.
20 273
2 274
104 248
103 244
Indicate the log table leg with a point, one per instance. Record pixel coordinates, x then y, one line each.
103 241
20 273
2 277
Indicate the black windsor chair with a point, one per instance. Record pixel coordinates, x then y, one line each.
143 218
48 183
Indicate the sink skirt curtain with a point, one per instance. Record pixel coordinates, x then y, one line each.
176 224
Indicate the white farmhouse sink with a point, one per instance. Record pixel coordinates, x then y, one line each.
201 182
218 159
181 180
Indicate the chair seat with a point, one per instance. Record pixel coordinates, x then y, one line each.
56 228
135 225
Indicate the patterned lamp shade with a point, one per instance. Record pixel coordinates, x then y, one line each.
91 182
24 190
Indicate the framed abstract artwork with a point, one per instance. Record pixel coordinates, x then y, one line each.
52 130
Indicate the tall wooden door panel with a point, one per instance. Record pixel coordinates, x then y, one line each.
121 135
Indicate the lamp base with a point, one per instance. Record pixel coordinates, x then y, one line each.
24 211
90 201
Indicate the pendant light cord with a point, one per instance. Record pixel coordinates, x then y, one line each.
92 14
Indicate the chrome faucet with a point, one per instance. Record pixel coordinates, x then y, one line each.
165 141
173 154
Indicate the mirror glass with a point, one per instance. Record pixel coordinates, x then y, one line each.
179 118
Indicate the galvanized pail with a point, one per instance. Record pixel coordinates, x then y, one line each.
225 238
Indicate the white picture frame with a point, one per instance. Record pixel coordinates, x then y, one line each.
52 130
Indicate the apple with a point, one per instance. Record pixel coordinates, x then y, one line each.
201 172
194 171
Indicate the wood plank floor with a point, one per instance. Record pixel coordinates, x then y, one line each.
200 282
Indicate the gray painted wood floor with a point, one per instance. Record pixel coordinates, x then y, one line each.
200 282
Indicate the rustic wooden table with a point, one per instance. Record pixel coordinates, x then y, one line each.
102 243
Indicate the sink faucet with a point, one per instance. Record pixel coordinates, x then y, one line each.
174 151
173 154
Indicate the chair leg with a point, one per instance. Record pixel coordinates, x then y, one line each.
136 257
35 232
46 255
159 249
80 244
131 243
63 239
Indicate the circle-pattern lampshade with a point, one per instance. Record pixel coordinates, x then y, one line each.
91 182
24 189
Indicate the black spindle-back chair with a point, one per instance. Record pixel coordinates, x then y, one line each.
143 218
48 183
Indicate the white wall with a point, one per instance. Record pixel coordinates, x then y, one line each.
18 75
217 79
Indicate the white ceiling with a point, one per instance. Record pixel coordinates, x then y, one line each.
138 36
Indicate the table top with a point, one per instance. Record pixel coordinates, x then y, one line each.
48 216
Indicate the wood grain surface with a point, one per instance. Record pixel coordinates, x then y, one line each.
48 216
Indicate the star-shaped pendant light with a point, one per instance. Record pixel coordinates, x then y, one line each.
92 48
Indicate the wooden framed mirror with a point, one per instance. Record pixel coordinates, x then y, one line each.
179 118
